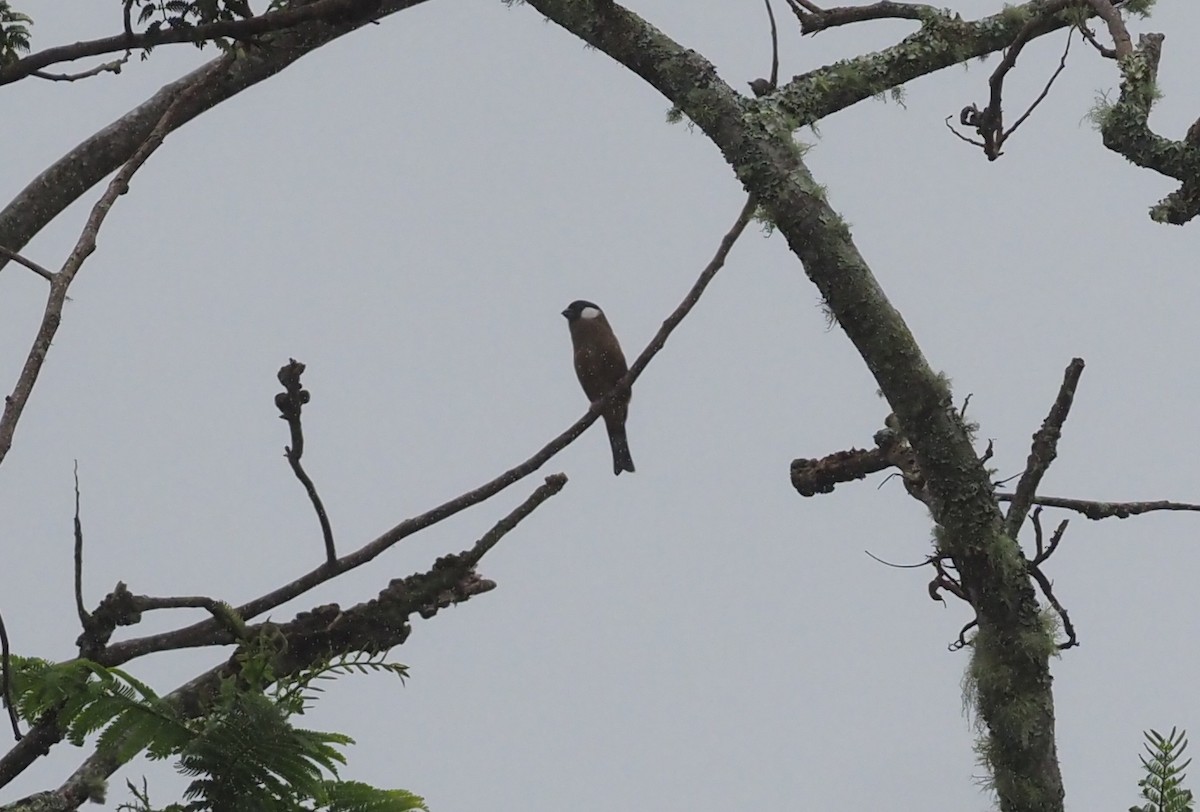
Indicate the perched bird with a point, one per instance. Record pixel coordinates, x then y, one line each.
599 363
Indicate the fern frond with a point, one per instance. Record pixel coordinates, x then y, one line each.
354 796
1162 786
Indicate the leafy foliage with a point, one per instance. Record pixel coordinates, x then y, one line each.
1163 785
14 33
187 14
243 753
299 693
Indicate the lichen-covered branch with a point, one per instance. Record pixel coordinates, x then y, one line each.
310 639
1045 449
755 136
944 39
1125 128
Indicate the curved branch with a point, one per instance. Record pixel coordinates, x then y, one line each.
944 39
83 167
14 404
236 29
755 137
209 632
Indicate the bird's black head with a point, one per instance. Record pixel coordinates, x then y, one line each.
581 309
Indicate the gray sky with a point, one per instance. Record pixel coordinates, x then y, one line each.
408 209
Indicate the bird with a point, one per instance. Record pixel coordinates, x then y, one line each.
599 365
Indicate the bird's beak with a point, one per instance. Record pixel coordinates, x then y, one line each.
567 315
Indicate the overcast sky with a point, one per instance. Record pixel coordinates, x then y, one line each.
408 209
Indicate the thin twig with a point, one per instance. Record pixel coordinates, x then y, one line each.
106 67
1062 64
208 632
290 402
961 642
28 263
774 80
813 19
84 617
553 484
6 681
1045 448
1097 510
15 403
1122 42
1048 591
1055 539
960 136
1090 36
924 563
1036 520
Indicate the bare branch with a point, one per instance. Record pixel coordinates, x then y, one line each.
28 263
84 617
1105 10
774 80
1062 64
1048 590
106 67
764 87
959 493
1089 36
1045 448
6 681
69 178
290 402
15 403
553 484
813 19
1097 510
328 631
209 633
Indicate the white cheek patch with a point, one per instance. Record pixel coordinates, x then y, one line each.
589 313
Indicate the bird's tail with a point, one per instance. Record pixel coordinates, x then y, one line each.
622 461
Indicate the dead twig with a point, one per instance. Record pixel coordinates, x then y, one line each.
6 681
28 263
84 617
106 67
52 316
1062 65
290 402
962 642
1044 450
1097 510
813 19
208 632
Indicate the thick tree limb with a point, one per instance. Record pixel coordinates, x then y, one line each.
312 638
1125 129
288 17
944 39
71 176
755 137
